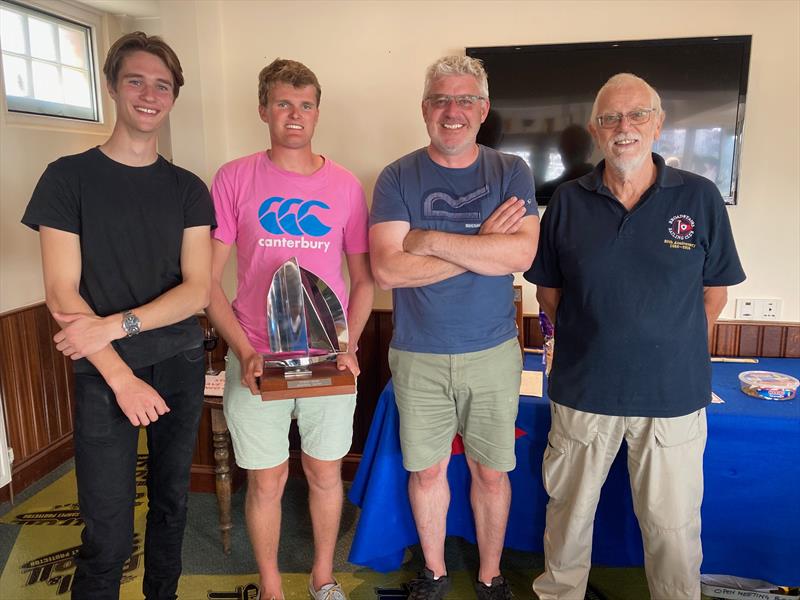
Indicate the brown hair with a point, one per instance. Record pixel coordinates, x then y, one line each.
282 70
140 41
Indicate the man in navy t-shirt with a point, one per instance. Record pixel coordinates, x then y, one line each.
449 224
632 267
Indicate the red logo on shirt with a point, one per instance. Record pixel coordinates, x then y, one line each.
681 227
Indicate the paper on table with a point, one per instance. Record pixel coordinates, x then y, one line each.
716 399
531 384
215 384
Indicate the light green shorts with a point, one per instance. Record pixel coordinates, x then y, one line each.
260 429
475 394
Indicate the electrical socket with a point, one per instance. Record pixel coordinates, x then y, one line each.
745 308
762 309
768 310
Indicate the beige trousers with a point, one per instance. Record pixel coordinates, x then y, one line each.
665 464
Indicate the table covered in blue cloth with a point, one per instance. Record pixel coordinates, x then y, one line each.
751 513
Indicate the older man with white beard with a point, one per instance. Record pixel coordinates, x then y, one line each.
632 267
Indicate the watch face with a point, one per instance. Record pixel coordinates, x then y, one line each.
130 323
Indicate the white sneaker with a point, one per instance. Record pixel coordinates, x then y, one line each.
330 591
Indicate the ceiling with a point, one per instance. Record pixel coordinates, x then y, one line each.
127 8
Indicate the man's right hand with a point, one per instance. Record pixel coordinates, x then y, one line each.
506 218
252 367
139 401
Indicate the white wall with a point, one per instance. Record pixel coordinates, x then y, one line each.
370 58
27 145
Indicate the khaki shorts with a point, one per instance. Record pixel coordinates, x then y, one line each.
260 430
475 394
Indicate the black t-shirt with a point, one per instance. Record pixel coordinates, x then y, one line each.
631 333
130 221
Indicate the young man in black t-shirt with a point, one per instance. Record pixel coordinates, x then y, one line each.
126 253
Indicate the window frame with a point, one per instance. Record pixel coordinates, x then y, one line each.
96 24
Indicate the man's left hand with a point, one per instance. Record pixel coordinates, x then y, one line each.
348 360
83 335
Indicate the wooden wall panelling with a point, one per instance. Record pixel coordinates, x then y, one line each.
772 342
752 338
532 331
792 342
747 340
36 390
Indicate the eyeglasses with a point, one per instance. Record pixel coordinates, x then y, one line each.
635 117
462 100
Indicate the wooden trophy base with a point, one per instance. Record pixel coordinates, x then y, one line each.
325 380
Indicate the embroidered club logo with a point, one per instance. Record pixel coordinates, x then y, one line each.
681 227
294 216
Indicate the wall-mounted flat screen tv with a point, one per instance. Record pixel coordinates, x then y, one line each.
541 100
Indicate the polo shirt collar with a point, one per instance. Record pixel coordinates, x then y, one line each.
665 176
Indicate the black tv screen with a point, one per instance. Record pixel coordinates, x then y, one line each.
541 101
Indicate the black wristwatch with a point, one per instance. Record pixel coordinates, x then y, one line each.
131 324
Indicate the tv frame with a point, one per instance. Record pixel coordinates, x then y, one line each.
744 40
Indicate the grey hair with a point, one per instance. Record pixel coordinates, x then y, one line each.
622 79
457 65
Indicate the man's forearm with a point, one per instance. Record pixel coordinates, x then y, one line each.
489 254
107 361
177 304
714 301
548 299
358 311
405 270
220 313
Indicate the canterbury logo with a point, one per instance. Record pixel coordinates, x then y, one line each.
443 205
293 216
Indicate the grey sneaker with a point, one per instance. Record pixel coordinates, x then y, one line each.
499 589
330 591
425 587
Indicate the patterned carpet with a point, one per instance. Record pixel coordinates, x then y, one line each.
40 534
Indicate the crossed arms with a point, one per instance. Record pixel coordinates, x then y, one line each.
84 334
405 257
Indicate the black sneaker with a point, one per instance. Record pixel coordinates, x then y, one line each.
425 587
499 589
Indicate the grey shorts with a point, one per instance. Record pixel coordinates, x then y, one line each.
260 429
475 394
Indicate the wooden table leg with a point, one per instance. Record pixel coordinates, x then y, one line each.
222 470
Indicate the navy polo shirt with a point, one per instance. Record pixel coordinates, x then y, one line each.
631 332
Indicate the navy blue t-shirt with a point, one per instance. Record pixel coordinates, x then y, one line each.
631 331
468 312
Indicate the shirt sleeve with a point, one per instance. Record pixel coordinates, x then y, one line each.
722 266
521 186
387 200
224 199
356 237
54 203
546 270
198 209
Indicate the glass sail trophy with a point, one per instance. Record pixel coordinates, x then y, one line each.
305 321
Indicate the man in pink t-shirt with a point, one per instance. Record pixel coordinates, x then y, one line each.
288 202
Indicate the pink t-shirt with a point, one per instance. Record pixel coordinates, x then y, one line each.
273 215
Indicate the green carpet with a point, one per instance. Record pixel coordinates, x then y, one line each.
40 534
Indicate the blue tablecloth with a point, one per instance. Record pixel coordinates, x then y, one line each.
751 514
